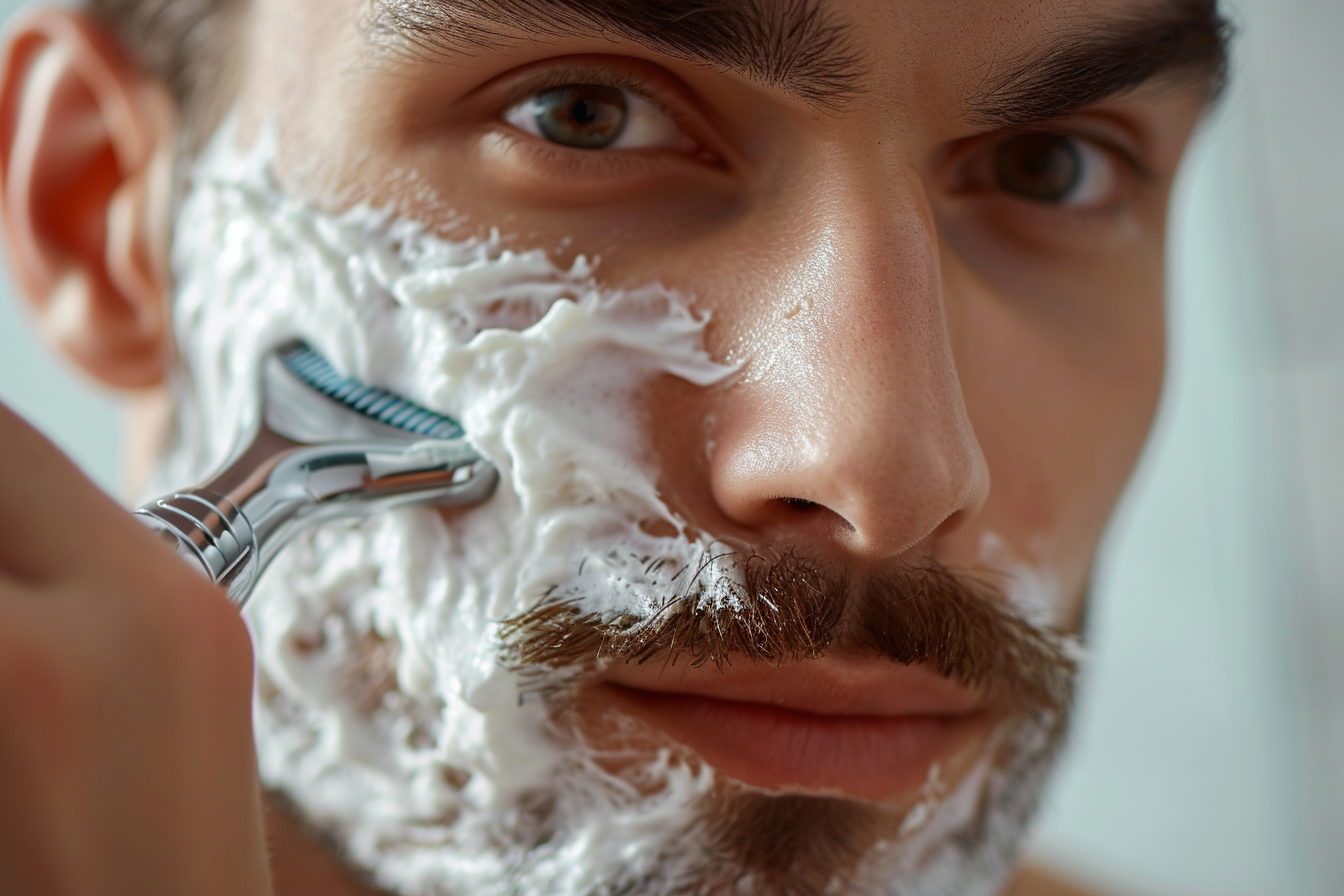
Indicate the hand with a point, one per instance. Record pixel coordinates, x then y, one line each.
126 757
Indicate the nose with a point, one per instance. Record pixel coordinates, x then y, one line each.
847 429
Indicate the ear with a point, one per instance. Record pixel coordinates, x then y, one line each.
86 155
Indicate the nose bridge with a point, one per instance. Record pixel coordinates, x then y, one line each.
849 399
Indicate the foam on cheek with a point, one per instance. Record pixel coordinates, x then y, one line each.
383 709
1032 588
540 364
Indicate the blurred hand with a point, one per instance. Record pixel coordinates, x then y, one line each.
126 757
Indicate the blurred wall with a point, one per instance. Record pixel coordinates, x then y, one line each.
1186 774
1293 49
81 419
1208 754
1211 749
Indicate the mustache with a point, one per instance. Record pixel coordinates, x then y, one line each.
789 609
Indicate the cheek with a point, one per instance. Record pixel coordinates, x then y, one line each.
1061 407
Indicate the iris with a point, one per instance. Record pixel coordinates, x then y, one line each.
1039 167
584 116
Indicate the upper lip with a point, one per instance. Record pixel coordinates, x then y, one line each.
832 685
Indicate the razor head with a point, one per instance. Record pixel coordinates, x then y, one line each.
295 376
328 446
377 405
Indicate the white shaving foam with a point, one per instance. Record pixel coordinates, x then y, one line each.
382 709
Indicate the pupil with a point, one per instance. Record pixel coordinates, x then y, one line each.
584 116
1039 167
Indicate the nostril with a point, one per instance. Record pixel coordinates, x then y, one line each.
801 518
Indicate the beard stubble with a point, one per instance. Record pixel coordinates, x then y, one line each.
787 610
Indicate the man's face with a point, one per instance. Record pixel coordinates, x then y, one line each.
929 356
928 237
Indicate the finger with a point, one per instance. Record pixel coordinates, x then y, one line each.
53 519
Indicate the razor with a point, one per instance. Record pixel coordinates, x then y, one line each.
326 446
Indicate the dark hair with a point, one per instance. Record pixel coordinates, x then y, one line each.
184 43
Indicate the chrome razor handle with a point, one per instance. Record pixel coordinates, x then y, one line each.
235 524
209 530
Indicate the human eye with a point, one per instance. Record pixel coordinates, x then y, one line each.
597 117
1055 170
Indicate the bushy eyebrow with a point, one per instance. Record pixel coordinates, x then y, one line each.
794 45
1183 41
798 46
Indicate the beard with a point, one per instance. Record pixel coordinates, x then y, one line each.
786 610
417 671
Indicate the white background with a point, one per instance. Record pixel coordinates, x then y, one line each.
1209 756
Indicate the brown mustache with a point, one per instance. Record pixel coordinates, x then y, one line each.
787 610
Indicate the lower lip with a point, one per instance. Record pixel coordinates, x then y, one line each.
878 758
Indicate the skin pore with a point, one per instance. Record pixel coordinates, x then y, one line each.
934 246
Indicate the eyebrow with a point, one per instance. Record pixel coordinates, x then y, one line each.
794 45
1181 41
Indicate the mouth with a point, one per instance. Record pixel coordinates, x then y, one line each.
858 728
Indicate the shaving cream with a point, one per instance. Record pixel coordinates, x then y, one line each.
382 710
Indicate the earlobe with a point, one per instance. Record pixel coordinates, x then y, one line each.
86 146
